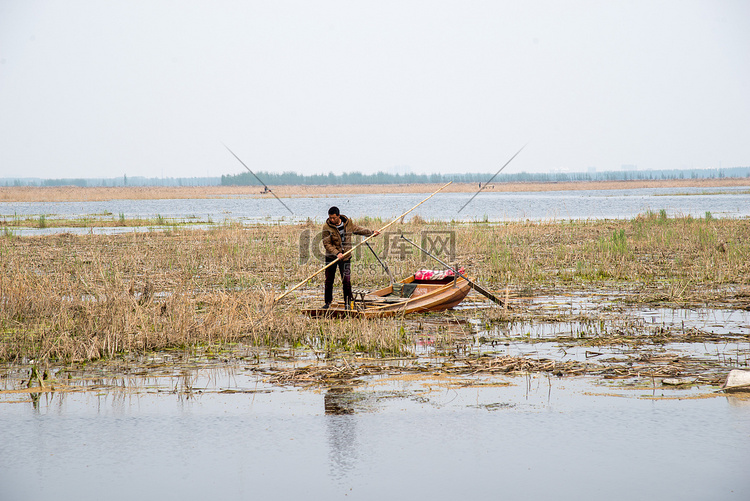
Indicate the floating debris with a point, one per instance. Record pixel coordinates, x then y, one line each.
678 381
737 380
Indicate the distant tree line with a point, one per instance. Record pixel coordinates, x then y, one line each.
292 178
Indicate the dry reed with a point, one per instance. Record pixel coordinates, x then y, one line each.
84 297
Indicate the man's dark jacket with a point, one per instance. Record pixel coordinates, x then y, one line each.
332 238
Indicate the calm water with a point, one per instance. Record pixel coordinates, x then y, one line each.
611 204
394 439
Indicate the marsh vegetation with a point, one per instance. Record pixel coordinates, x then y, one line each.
76 298
104 220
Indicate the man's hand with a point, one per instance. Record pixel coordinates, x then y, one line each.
375 233
340 255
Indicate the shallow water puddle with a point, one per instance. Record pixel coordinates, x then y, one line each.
713 320
581 317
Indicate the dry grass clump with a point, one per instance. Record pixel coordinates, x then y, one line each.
98 221
81 324
702 253
85 297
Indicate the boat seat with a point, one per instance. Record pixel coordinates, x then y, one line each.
403 290
384 300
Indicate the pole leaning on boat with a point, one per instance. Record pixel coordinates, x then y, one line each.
349 252
385 266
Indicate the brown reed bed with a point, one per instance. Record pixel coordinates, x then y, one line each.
91 194
67 297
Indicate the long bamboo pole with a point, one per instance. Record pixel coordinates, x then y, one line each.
348 253
259 179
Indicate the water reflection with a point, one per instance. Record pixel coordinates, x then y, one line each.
35 401
739 399
185 382
115 392
339 400
341 427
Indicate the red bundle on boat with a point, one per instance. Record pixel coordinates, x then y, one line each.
435 274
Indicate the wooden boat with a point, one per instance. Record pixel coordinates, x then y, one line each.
405 296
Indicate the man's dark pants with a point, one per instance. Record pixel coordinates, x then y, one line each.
345 268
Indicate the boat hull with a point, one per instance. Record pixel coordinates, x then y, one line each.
426 296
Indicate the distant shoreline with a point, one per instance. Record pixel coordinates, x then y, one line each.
93 194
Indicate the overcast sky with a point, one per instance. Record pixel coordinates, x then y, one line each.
152 88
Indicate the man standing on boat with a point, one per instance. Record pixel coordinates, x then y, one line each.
337 240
